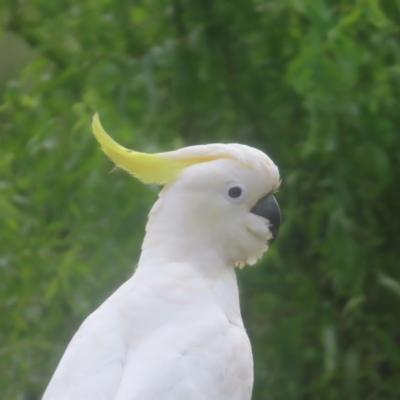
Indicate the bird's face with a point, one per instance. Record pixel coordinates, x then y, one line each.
227 204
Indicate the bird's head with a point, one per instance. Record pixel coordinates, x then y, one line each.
217 198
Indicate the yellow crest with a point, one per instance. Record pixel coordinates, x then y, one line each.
159 168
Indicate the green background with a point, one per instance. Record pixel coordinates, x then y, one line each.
313 83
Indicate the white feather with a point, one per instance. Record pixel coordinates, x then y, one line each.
174 330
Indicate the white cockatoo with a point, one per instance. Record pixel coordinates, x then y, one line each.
174 330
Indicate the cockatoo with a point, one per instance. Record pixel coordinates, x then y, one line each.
174 331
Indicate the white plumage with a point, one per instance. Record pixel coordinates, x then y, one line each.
174 330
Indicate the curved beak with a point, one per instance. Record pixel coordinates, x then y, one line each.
268 208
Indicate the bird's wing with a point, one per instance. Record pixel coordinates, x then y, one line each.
189 348
207 359
93 363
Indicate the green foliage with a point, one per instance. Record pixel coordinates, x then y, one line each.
314 83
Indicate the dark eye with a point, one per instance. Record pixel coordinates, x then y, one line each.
235 192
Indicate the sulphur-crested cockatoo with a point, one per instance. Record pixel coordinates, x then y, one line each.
174 330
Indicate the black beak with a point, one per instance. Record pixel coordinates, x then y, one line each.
268 208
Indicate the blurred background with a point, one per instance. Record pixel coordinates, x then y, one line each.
313 83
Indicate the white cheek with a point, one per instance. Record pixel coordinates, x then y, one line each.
258 226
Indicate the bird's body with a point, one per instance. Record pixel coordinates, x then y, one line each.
174 331
155 338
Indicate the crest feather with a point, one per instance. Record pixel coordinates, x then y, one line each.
159 168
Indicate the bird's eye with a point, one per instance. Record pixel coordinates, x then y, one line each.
236 192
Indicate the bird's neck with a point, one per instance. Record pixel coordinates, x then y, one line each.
216 278
170 241
179 236
205 256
